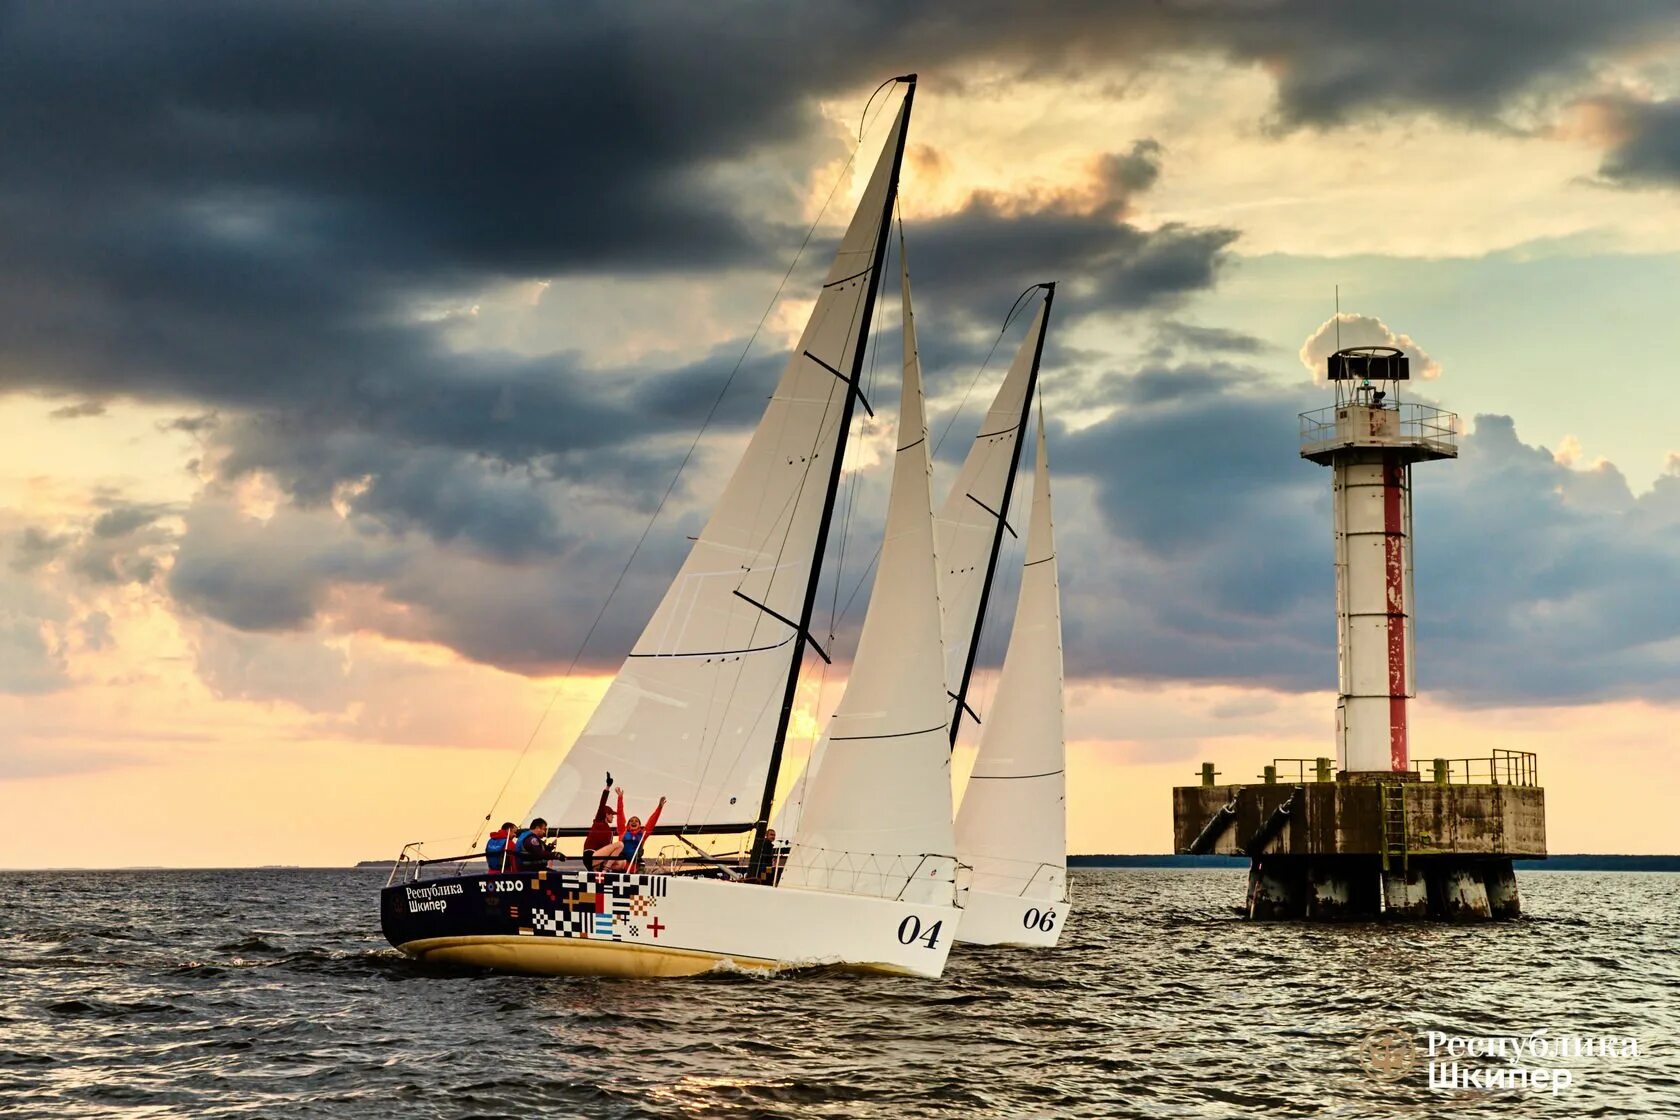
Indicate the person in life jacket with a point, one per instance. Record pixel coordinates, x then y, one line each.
763 865
498 853
600 829
532 852
623 853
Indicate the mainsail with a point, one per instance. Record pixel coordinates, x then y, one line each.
1012 828
970 526
876 813
698 711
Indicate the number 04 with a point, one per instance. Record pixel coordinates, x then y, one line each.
910 931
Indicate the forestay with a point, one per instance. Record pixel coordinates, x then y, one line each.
693 711
876 814
967 525
965 536
1012 828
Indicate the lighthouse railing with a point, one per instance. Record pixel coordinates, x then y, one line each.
1407 423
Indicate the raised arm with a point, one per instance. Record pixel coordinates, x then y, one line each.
653 818
619 827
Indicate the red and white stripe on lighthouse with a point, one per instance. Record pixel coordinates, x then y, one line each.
1370 442
1397 588
1373 608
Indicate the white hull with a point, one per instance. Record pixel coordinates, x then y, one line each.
1002 919
658 925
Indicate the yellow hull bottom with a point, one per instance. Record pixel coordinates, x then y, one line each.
565 956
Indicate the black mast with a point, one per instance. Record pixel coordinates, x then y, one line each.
1002 515
802 636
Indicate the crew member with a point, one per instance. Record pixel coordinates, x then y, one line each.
498 853
622 854
600 829
763 865
533 851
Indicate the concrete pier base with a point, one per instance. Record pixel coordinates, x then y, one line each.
1274 892
1405 894
1501 882
1364 847
1352 888
1329 893
1460 893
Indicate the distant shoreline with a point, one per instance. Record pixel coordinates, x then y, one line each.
1577 861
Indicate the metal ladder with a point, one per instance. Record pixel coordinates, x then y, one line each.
1393 795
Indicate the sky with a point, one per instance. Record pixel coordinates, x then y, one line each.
346 350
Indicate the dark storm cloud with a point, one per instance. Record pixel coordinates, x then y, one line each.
1647 149
35 546
282 574
1336 62
124 544
191 425
235 207
78 410
237 212
1172 334
1078 237
1101 266
273 575
222 201
1209 556
122 519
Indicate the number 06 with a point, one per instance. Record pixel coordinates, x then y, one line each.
1044 921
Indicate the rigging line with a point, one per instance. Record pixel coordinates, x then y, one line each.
785 715
822 309
704 425
1007 319
857 310
863 423
705 765
1043 322
833 612
949 424
863 116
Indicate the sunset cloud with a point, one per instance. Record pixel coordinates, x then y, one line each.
332 405
1348 329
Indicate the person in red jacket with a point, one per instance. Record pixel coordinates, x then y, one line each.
600 833
624 853
498 853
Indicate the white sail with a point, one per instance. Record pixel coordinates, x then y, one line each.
692 714
1012 828
876 812
967 523
963 538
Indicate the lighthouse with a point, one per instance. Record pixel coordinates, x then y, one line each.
1370 832
1370 439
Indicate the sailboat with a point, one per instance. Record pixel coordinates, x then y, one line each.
1012 826
700 711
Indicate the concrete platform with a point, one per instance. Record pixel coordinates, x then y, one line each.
1368 846
1345 817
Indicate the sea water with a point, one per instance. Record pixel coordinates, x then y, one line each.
271 993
